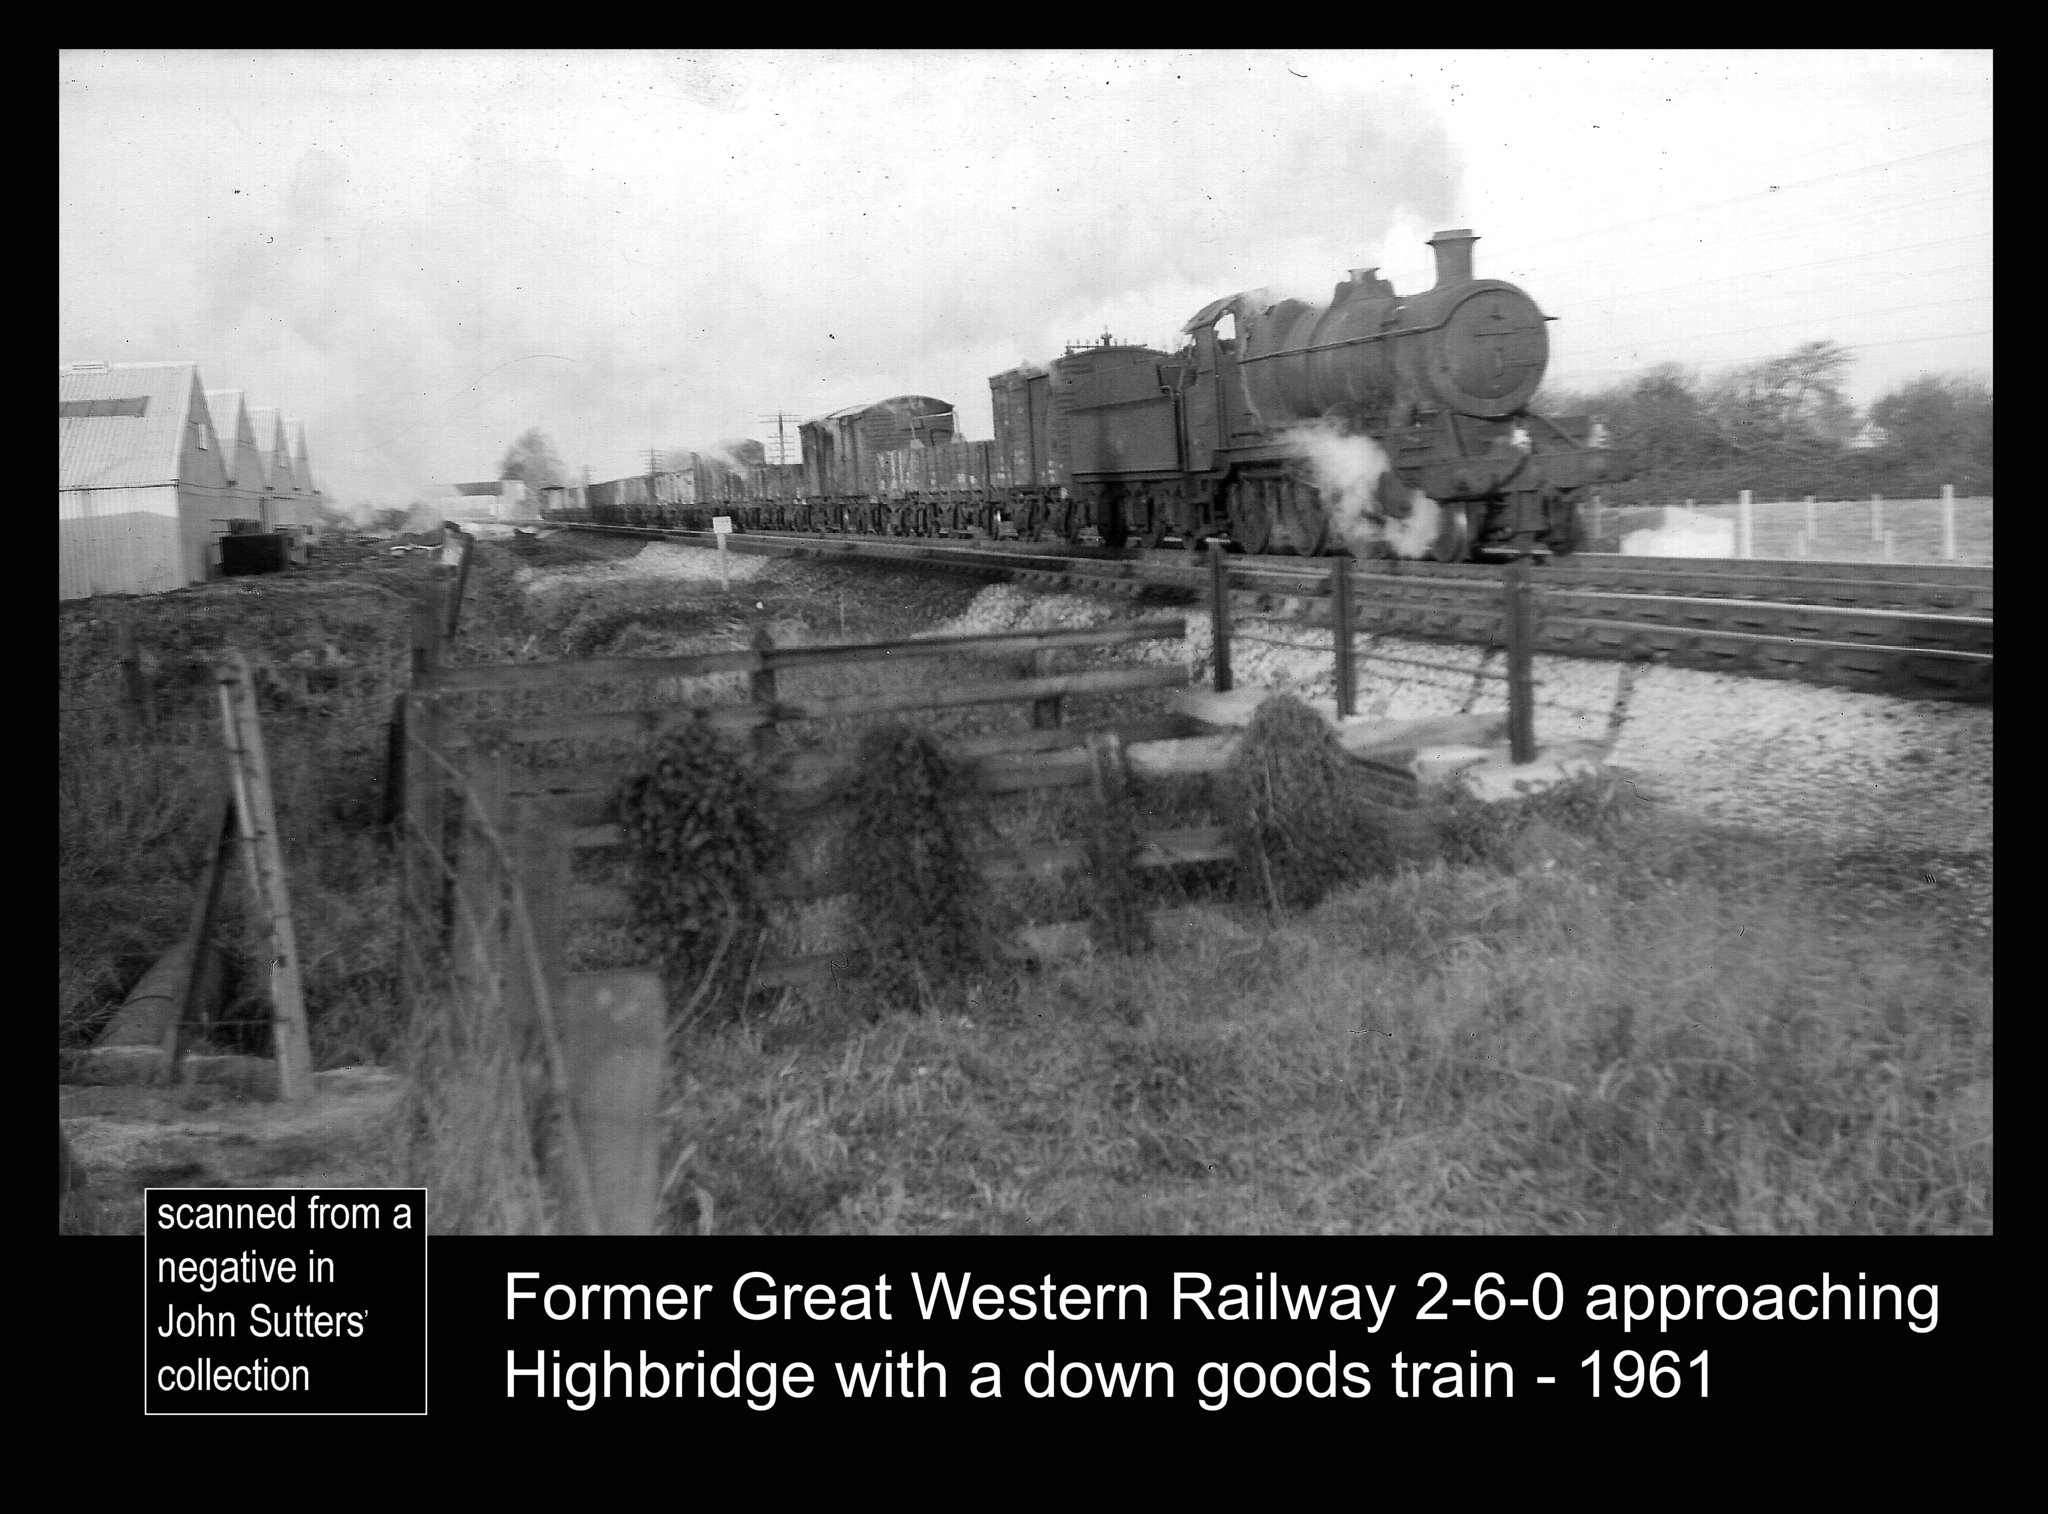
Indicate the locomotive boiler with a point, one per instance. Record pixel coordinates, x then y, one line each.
1250 431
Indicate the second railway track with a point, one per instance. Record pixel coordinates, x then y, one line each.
1911 630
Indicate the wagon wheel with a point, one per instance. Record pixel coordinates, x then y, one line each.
1307 522
1073 519
1112 516
1251 519
1158 527
1567 526
1453 533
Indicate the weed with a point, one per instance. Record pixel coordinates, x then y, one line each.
920 905
703 845
1303 819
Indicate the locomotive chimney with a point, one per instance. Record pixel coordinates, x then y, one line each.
1453 257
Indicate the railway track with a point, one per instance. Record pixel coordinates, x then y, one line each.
1909 630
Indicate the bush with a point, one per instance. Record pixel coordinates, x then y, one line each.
703 847
1299 809
920 906
1600 807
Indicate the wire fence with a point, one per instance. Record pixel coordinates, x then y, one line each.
476 975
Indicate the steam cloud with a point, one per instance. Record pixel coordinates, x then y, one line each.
1368 503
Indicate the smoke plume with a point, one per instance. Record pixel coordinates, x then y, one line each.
1367 501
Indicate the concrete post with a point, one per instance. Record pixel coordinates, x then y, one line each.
1948 522
1518 622
1745 531
1219 617
1340 608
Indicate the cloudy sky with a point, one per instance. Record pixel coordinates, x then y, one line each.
422 254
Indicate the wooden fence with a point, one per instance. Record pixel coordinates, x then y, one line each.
1520 609
489 889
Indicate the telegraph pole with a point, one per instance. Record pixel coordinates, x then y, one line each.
780 418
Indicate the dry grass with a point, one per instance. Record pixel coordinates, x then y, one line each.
132 804
1587 1017
1646 1035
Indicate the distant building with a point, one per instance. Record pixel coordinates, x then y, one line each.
311 500
239 454
281 502
502 499
142 478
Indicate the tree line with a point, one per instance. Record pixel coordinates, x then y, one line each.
1783 427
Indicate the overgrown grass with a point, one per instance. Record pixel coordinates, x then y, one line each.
134 801
1585 1017
1641 1027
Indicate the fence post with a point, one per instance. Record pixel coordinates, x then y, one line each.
1340 608
762 692
1877 517
541 858
1889 547
1219 617
1518 624
1745 530
614 1038
1812 518
263 858
477 953
135 711
425 881
1045 713
1948 522
461 581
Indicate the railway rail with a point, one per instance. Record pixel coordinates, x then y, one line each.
1910 630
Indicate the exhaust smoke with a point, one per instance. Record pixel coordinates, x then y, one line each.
1367 501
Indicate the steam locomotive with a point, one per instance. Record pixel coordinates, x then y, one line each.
1374 423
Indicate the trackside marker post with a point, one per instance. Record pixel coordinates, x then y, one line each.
721 527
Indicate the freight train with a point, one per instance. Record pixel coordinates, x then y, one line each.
1373 423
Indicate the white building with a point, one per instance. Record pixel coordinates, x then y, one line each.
142 479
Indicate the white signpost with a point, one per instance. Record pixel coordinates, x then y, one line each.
721 527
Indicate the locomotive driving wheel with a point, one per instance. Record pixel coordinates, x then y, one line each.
1251 518
1302 515
1453 533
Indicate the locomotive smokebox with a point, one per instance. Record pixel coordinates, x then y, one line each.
1453 257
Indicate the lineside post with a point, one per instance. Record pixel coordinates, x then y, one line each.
1046 714
1518 622
461 581
763 691
1745 530
135 709
1219 617
1948 522
1340 605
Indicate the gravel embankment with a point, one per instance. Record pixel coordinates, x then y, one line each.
1829 765
1843 769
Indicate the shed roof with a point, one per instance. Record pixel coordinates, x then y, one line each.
302 470
134 446
268 423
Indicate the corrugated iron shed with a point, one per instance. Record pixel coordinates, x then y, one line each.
134 449
141 477
239 454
